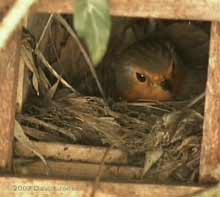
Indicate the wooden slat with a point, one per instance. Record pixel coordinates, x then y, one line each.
210 155
9 60
5 5
167 9
71 152
13 186
75 169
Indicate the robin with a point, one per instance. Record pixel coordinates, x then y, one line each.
149 70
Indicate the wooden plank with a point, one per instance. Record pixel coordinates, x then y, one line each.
167 9
6 5
9 61
71 152
210 155
13 186
75 169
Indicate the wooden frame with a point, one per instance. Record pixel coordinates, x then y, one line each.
9 61
165 9
14 186
210 157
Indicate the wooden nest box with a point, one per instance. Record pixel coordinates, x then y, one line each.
201 10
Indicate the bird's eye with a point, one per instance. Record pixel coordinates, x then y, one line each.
140 77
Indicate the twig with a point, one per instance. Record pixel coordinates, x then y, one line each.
50 68
148 105
44 31
50 126
86 56
55 51
100 172
196 100
13 18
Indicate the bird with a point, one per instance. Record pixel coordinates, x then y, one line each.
158 66
149 70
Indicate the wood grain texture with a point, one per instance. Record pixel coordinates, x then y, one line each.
9 61
210 155
167 9
13 186
67 170
72 152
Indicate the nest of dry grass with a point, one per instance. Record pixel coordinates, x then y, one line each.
169 135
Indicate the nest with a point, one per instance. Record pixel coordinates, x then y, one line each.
142 131
163 139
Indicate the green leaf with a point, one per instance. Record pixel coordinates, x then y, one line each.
92 22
